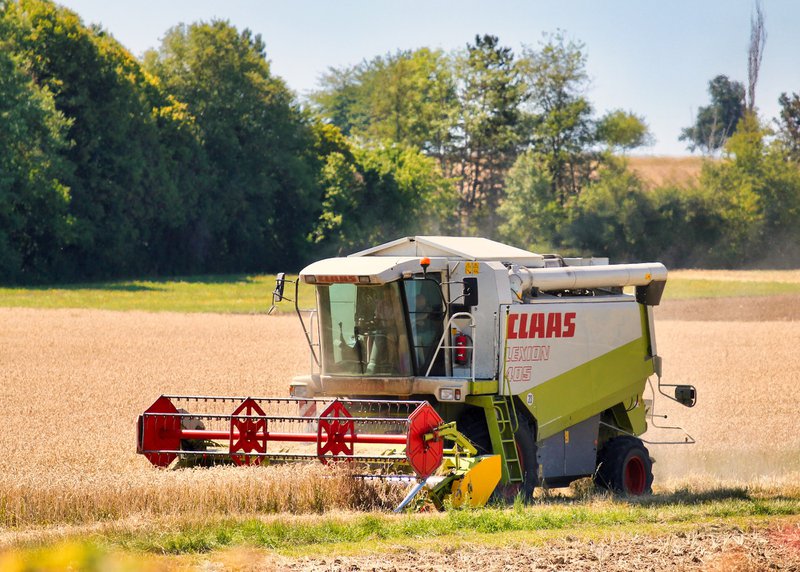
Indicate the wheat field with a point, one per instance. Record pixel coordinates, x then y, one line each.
73 382
663 171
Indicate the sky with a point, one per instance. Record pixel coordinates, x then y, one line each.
654 58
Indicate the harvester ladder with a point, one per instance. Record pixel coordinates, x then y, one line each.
508 426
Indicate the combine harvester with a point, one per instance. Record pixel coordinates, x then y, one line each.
470 366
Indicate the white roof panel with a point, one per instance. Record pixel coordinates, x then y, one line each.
454 247
380 269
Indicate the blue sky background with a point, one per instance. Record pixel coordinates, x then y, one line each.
652 58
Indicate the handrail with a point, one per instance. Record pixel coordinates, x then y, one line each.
312 318
441 345
303 323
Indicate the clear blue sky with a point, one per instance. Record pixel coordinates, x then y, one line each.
654 58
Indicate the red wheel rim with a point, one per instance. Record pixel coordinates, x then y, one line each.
635 476
424 456
160 432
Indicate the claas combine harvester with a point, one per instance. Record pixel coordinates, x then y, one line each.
465 365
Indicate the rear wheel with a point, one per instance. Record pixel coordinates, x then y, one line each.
473 424
624 467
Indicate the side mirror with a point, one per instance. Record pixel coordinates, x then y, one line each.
277 294
470 291
686 395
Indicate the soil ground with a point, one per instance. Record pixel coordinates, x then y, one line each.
710 548
785 308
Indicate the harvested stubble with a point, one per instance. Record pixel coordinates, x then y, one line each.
73 382
746 374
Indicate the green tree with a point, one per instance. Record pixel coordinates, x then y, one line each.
563 129
687 230
488 134
533 218
406 98
341 98
758 195
716 122
33 201
125 198
623 131
612 215
375 194
789 124
261 198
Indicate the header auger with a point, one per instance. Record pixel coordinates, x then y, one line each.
467 365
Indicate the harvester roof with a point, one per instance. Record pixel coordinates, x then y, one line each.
455 247
376 270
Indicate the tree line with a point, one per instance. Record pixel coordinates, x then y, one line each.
196 158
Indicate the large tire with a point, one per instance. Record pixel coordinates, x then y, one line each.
472 423
624 467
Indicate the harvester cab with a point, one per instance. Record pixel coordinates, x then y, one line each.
532 368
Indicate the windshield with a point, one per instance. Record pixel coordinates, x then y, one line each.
363 330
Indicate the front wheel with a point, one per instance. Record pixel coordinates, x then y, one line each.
624 467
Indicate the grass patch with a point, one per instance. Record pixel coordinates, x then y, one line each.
220 294
305 535
136 547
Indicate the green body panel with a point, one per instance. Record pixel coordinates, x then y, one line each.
613 378
486 402
479 387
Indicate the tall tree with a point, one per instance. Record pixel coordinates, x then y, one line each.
716 122
488 134
262 198
532 218
789 124
33 202
755 53
406 98
563 129
341 98
124 194
758 195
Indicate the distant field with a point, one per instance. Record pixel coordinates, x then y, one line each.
662 171
241 294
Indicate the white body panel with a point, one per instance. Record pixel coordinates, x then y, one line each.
548 338
493 292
